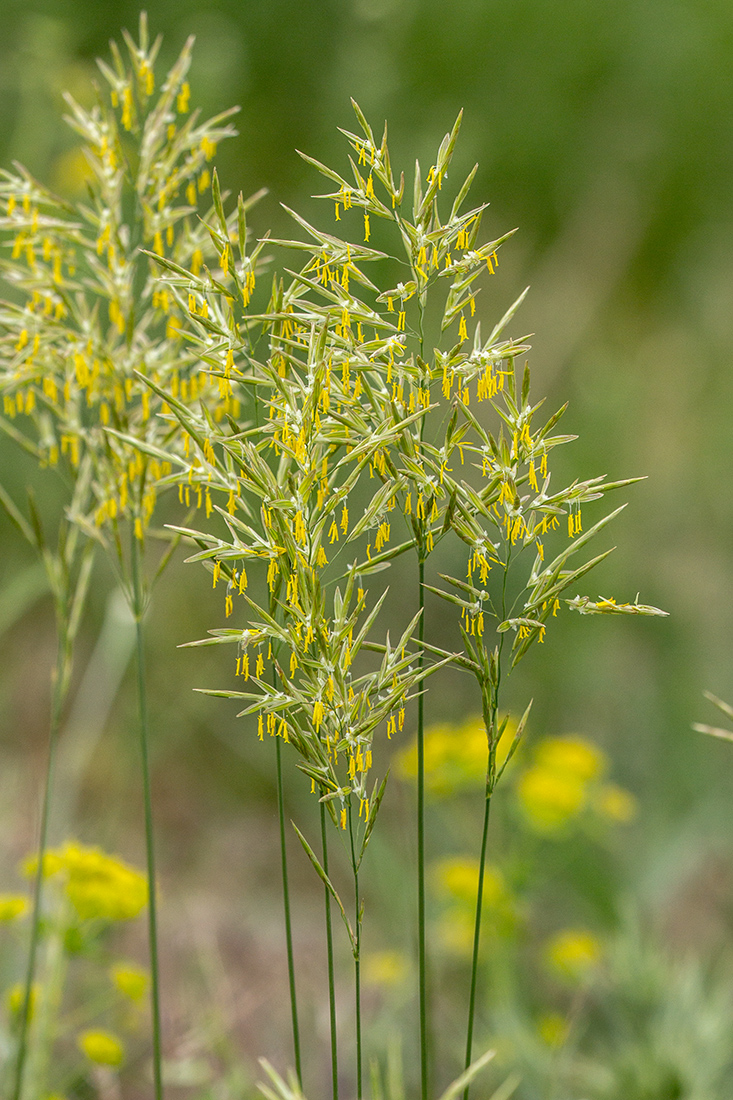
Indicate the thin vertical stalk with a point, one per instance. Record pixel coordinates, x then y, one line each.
477 931
421 946
357 958
60 687
138 613
421 951
491 715
286 907
329 947
46 1005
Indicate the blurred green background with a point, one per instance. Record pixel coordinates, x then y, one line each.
605 133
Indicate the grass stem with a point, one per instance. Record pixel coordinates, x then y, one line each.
421 948
491 718
477 932
138 611
329 947
286 907
60 688
357 957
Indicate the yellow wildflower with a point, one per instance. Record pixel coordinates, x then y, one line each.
550 799
455 755
571 756
553 1029
99 886
12 906
455 931
15 998
130 979
573 953
615 804
385 968
457 877
101 1047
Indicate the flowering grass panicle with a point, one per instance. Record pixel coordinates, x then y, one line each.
92 315
358 415
87 322
345 393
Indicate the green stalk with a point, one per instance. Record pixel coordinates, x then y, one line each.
286 906
138 611
46 1007
329 946
477 931
421 952
357 953
492 706
421 945
60 688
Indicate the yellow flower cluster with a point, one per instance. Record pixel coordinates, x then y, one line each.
573 954
101 1047
12 906
130 979
385 968
99 886
455 755
553 1029
456 882
15 998
564 781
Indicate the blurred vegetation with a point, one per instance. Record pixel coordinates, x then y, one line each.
603 132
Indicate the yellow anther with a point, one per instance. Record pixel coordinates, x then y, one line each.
183 97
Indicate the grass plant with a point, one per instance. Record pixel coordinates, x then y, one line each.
87 314
68 570
348 391
139 356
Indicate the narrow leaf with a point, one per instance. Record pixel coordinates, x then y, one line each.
327 883
467 1076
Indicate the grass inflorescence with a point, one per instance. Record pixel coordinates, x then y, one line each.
359 410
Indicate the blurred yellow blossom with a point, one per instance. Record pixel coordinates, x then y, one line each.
549 799
101 1047
456 881
615 803
457 876
15 996
455 930
564 780
571 756
553 1029
573 953
387 968
455 755
98 886
12 906
130 979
